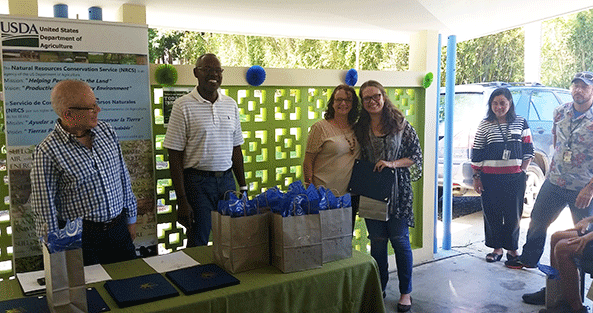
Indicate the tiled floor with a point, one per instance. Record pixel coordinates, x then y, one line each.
461 281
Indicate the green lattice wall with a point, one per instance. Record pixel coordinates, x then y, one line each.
275 123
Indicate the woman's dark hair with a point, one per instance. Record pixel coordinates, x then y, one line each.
353 114
511 115
392 119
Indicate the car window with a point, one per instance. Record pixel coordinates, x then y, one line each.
565 97
521 101
516 96
467 106
542 105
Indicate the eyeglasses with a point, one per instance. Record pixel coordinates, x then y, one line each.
376 97
94 109
584 75
342 100
211 70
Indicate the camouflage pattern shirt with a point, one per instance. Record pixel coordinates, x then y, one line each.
572 164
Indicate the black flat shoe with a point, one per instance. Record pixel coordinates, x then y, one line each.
404 307
493 257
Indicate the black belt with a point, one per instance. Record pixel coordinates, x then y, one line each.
217 174
101 226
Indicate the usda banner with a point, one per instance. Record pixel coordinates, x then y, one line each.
113 59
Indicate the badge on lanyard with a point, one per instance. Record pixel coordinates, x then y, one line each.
567 156
506 154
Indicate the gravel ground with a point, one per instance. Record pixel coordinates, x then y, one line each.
463 206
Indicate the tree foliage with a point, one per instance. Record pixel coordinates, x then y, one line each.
275 52
558 61
567 48
496 57
164 45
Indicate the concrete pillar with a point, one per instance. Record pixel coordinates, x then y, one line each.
533 51
132 14
23 7
424 48
424 51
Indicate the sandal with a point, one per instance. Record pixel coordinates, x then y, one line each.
512 257
493 257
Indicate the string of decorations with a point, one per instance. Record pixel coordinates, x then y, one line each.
166 75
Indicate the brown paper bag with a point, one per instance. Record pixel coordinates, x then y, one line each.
64 280
296 242
241 243
336 234
553 292
373 209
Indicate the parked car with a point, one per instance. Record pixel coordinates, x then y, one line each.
533 101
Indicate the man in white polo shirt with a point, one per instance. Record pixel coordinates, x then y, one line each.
204 140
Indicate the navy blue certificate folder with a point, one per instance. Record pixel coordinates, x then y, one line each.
374 185
201 278
38 304
94 301
29 304
141 289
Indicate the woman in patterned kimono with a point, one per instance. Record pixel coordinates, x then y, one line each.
389 141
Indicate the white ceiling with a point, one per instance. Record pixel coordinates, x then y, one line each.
376 20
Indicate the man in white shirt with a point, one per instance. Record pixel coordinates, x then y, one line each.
204 140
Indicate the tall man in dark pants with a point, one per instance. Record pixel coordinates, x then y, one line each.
569 181
204 140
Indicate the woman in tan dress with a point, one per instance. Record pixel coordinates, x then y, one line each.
332 146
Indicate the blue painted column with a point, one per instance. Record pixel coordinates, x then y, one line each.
447 182
435 244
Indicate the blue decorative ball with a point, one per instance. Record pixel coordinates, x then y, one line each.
255 75
351 77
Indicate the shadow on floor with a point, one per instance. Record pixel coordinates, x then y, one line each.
460 280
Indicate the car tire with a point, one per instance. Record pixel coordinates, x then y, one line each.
533 182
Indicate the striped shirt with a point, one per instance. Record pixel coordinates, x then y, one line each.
489 145
206 132
68 180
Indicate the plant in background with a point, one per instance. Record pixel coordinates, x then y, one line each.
166 75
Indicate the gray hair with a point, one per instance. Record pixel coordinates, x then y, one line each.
66 93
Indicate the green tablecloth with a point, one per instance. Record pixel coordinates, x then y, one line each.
349 285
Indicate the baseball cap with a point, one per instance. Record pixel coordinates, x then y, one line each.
585 77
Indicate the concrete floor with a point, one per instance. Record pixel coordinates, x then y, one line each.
461 281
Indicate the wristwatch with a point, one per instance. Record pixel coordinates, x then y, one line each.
477 175
243 188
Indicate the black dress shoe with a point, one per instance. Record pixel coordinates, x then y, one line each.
404 307
536 298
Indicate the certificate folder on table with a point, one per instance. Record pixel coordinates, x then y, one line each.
38 304
141 289
374 185
29 304
201 278
95 302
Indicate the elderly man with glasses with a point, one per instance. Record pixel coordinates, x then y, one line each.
78 171
570 178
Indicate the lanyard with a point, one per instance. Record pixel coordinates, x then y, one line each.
505 135
572 129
